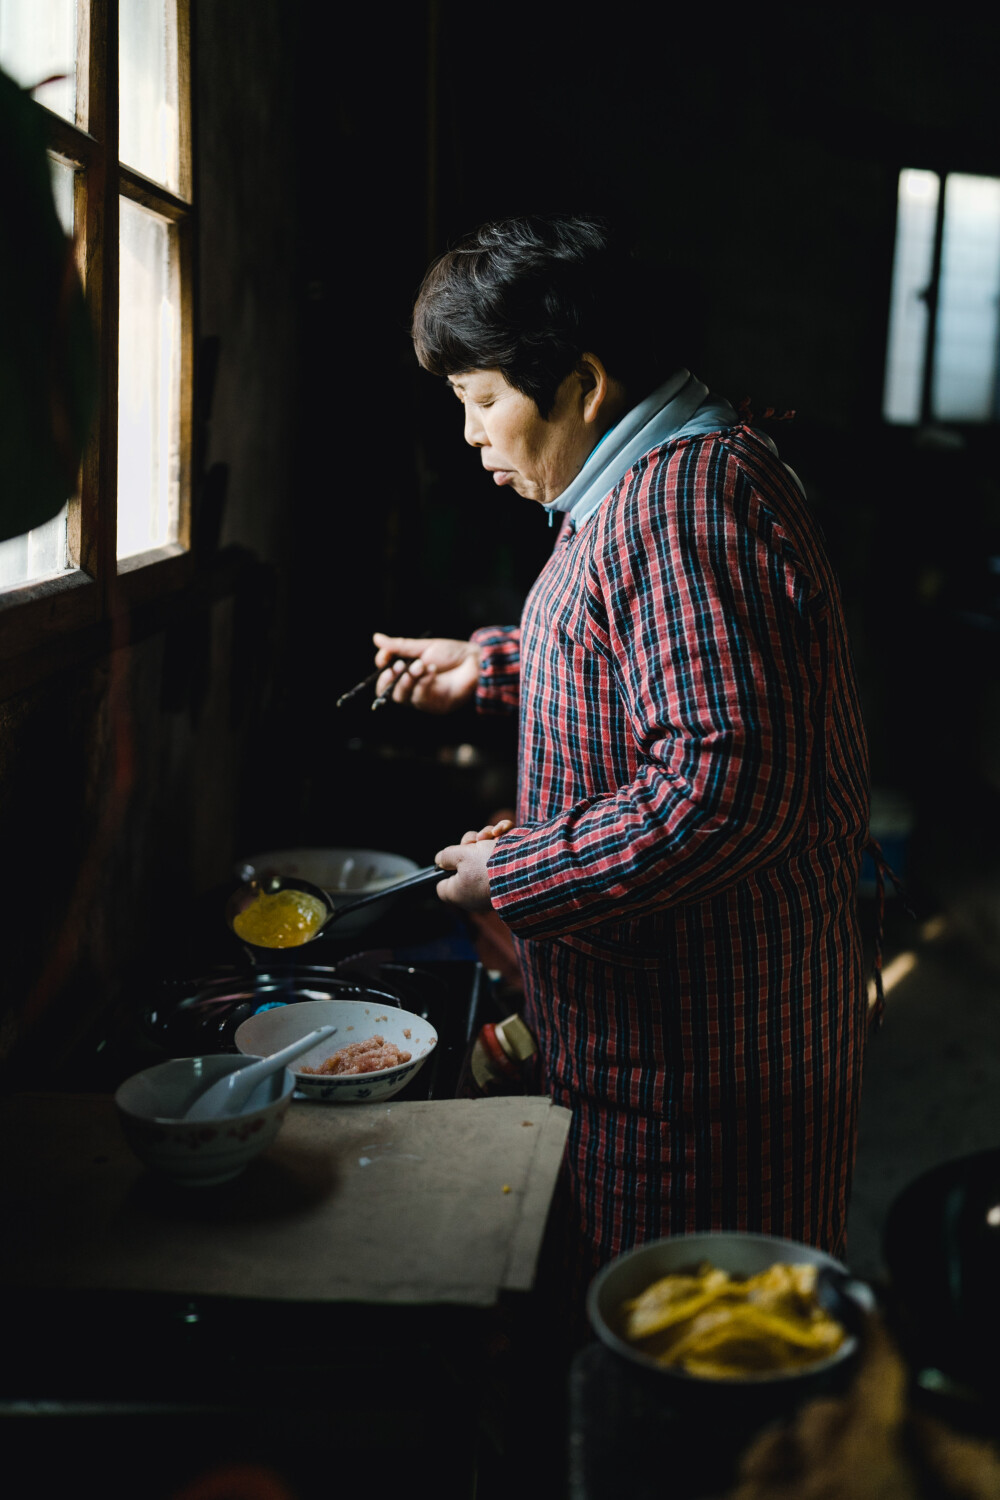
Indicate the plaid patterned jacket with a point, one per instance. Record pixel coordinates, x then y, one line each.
692 807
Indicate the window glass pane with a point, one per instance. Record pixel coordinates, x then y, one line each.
913 264
62 191
965 357
38 40
147 94
42 552
148 383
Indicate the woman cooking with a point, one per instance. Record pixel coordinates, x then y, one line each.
681 878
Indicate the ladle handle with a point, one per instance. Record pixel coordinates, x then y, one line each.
430 875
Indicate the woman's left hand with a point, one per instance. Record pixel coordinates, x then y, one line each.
469 886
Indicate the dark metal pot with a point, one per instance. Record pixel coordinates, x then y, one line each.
749 1401
941 1247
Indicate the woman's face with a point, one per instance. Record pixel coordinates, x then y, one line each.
537 456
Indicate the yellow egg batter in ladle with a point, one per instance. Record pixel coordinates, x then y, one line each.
285 919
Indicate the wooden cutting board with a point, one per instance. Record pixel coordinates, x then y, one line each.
415 1202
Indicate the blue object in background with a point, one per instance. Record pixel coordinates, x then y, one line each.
891 827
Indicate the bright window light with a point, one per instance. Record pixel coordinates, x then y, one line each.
147 92
38 41
148 383
142 143
912 270
944 316
965 358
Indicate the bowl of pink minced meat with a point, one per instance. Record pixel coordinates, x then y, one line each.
374 1052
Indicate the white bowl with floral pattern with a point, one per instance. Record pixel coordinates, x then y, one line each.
355 1021
199 1153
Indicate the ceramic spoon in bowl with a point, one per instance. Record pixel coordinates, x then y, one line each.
227 1096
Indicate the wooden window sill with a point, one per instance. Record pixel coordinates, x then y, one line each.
57 625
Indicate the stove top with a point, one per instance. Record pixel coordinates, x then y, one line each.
190 1000
184 1018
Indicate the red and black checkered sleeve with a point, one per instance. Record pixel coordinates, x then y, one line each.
708 634
497 691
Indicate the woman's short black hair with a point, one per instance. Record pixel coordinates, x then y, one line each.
529 295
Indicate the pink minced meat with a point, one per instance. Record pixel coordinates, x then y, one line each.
370 1056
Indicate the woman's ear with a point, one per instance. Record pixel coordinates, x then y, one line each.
602 397
593 380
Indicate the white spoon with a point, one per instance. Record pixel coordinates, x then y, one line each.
227 1096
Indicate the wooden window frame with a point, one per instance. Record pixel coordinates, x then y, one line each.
43 623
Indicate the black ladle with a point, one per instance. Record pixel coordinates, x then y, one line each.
836 1292
270 884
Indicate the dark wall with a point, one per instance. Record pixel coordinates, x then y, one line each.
756 155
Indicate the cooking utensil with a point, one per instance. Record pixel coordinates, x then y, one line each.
843 1297
227 1096
270 885
335 910
383 698
359 687
341 873
428 876
373 677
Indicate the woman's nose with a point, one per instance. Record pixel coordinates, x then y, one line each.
475 433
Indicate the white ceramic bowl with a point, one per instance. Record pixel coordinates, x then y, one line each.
355 1020
199 1153
342 872
741 1255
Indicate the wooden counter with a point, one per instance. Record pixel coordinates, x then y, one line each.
440 1201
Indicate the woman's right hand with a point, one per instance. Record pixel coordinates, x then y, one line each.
436 675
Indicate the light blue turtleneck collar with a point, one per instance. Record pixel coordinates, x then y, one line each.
681 407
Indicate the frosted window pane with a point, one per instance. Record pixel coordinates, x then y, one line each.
965 356
147 94
913 264
62 192
38 40
148 384
38 554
